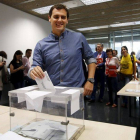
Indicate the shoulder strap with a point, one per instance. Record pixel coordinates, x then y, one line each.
132 59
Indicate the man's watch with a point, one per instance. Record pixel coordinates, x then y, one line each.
91 80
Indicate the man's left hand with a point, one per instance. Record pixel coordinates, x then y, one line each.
88 88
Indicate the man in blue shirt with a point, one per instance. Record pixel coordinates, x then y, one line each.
61 54
100 56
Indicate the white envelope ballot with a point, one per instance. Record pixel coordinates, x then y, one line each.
45 83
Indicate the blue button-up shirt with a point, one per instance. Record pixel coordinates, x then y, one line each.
62 58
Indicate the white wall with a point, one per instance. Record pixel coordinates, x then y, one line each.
20 31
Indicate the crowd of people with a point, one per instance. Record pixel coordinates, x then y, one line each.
114 71
19 68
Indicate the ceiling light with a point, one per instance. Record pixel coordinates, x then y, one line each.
92 28
96 38
26 1
90 2
73 3
43 10
122 24
137 22
111 25
68 4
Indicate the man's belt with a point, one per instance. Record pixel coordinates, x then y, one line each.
99 68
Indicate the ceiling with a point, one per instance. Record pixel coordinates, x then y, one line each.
112 12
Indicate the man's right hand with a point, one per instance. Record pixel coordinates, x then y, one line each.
37 72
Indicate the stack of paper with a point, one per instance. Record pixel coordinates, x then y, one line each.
49 130
12 136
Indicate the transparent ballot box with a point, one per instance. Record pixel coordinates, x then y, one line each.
46 115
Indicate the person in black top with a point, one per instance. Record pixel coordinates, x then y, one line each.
16 69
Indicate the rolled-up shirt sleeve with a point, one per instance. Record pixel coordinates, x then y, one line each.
37 58
87 52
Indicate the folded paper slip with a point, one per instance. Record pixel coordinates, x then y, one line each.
75 103
34 99
21 92
45 83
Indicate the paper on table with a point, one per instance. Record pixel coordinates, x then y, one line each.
44 130
21 92
12 136
34 99
75 99
134 82
45 83
132 90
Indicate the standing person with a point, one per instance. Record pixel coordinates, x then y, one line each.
61 54
3 69
127 69
100 56
115 53
26 63
111 66
138 63
16 70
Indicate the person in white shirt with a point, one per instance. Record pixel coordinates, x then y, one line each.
111 66
26 63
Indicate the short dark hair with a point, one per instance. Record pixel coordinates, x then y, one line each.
18 52
124 47
58 7
3 54
132 53
28 50
116 51
109 50
101 44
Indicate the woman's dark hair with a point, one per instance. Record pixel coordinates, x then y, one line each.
109 50
18 52
3 54
124 47
59 7
132 53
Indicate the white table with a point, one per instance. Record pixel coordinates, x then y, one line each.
93 130
131 85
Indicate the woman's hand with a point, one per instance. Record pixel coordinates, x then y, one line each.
135 77
22 67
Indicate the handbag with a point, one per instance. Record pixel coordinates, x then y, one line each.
5 76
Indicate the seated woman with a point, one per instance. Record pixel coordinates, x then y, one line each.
16 70
111 66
